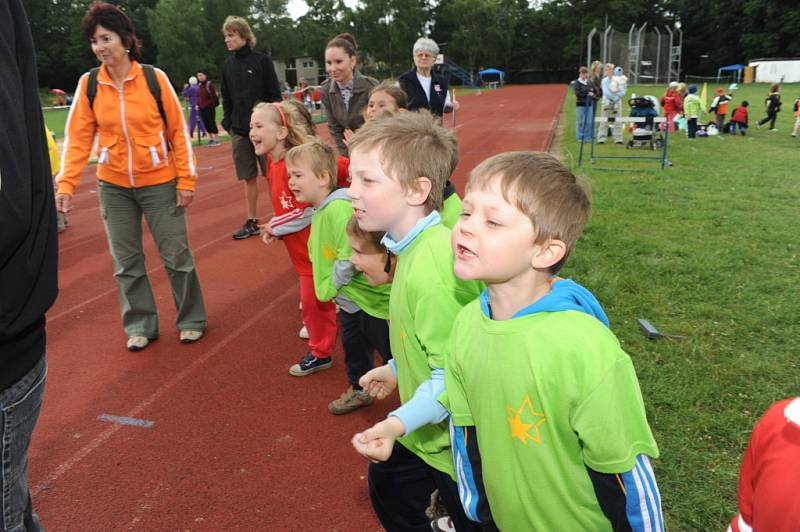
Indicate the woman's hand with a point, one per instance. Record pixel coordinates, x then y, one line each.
184 197
347 134
63 202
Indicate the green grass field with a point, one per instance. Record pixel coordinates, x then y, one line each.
704 249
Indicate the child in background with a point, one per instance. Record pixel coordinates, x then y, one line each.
672 104
274 129
768 480
363 308
692 109
796 110
619 82
773 105
548 424
719 106
55 167
739 117
370 256
399 166
388 98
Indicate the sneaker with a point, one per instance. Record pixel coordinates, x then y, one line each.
443 524
188 336
310 364
214 143
303 334
350 400
250 228
137 343
774 130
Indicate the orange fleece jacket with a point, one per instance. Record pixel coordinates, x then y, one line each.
133 148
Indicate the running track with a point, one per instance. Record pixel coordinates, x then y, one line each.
237 443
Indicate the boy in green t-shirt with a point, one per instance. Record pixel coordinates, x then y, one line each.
398 168
548 426
363 308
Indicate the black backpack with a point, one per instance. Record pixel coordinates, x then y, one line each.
152 84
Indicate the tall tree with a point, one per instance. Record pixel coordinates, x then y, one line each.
178 28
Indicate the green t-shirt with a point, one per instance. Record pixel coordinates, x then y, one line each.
426 297
549 394
451 210
328 243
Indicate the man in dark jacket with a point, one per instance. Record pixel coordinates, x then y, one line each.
248 77
28 257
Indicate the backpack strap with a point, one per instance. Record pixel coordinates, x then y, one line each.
155 90
91 86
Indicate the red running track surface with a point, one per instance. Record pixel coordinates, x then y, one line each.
237 443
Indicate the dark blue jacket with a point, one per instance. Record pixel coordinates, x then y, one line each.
416 94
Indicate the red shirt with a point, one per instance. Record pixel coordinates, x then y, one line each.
287 210
769 481
739 115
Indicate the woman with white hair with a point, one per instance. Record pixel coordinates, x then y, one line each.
426 89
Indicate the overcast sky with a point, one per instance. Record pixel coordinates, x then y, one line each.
298 8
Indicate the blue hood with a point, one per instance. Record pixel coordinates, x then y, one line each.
564 295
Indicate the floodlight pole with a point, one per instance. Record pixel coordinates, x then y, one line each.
606 43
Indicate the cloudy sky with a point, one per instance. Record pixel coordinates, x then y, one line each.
298 8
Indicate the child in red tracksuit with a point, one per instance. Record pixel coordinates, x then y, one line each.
672 102
274 129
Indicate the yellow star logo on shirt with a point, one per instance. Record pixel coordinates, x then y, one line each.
329 252
519 428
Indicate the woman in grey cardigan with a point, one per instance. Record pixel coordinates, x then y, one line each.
346 92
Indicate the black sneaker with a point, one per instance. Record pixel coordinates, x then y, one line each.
250 228
310 364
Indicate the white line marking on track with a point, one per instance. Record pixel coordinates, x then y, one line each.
104 436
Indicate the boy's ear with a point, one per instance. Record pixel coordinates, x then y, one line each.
420 190
549 253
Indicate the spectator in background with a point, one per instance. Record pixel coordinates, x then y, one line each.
693 109
425 88
773 105
248 77
584 103
346 91
740 118
28 263
611 108
207 102
719 106
191 92
672 103
149 180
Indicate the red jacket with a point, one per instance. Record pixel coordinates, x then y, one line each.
769 480
739 115
292 219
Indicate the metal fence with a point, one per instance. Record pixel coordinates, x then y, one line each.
648 54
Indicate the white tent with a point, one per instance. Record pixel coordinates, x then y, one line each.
777 70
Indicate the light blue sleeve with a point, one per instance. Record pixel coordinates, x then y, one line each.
423 408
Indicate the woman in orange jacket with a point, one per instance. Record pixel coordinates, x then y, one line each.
145 166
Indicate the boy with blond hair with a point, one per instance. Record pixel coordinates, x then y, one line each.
363 308
548 425
399 166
